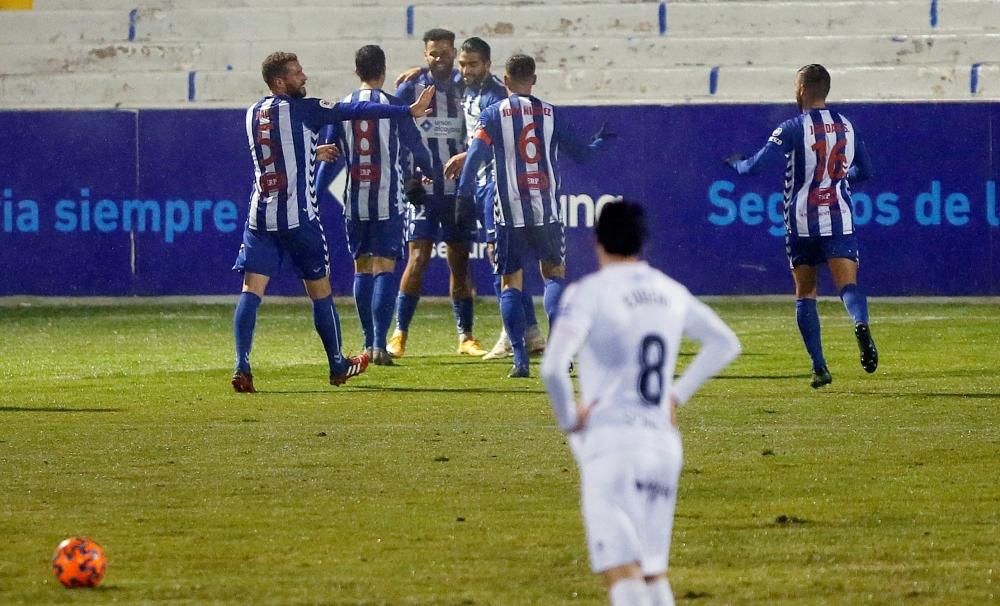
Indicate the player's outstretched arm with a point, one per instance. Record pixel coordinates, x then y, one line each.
575 146
321 112
719 347
764 158
422 106
479 153
861 170
414 145
567 337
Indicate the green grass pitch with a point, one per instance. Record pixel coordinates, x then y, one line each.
440 481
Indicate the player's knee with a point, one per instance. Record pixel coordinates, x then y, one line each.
418 259
552 271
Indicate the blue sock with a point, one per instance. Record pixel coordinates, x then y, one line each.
406 306
529 310
244 320
808 320
383 300
327 324
855 302
512 312
550 300
462 308
364 284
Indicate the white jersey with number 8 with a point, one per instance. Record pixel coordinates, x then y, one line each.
624 324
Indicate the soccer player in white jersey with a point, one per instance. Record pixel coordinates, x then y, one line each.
824 154
624 325
432 219
283 224
374 202
523 135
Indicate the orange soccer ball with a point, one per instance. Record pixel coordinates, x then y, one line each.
79 562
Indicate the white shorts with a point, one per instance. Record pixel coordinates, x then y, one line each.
628 498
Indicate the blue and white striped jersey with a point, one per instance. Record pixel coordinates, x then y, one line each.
373 150
443 130
823 153
282 133
474 101
525 136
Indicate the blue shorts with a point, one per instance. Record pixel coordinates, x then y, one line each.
264 252
434 220
484 202
375 238
547 243
816 250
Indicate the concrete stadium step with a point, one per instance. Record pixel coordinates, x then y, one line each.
63 27
593 53
678 85
561 86
684 19
75 91
46 5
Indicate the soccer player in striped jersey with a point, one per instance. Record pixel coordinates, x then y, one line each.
282 133
443 131
374 199
624 325
483 89
524 135
823 154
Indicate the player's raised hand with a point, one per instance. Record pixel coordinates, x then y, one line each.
453 167
733 160
327 153
408 75
423 105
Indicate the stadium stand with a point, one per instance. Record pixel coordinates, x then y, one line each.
180 53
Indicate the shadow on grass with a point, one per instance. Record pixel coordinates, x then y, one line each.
450 389
741 377
382 388
54 409
938 394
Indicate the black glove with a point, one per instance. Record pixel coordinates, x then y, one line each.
414 190
732 160
603 134
465 212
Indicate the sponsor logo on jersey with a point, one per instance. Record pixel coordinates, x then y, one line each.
442 128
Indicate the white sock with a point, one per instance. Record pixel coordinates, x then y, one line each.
660 593
629 592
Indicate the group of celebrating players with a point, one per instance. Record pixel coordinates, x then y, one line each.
453 149
469 151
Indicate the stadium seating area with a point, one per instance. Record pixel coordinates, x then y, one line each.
180 53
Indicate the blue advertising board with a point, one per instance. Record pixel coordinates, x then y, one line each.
152 202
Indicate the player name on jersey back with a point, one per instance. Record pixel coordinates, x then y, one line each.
526 110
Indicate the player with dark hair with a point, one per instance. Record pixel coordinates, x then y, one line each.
374 199
483 89
624 325
823 155
431 219
524 135
283 224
